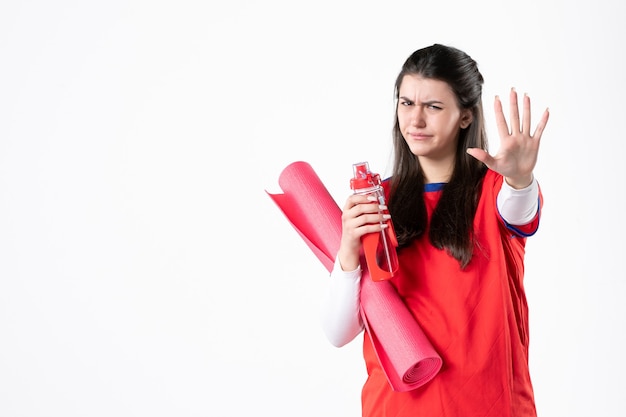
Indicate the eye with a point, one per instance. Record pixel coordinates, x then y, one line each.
406 102
434 107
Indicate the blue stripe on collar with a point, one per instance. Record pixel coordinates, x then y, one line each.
435 186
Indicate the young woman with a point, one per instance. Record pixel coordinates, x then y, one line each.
462 217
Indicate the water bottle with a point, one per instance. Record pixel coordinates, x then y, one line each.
379 248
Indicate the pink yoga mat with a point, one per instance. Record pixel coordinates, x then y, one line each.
405 354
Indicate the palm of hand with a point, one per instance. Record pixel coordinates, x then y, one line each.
517 156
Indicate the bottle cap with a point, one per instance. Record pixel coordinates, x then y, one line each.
363 177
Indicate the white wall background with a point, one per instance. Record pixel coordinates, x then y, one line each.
145 272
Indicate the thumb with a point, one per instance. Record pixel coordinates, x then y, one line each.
481 155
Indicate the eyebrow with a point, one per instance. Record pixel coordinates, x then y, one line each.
423 102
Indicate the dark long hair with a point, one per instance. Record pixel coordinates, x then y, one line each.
451 224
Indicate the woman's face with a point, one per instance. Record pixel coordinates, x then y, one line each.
430 118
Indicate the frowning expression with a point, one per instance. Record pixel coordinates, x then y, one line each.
429 117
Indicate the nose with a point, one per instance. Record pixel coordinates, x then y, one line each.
417 116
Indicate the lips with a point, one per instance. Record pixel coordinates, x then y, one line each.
419 136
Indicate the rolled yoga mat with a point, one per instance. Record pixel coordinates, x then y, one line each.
405 354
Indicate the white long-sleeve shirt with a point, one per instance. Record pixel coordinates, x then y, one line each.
340 305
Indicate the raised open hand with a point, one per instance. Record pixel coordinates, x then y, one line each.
517 156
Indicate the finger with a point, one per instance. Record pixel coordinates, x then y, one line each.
374 219
363 224
371 228
482 156
526 115
362 210
503 128
542 125
514 111
355 199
